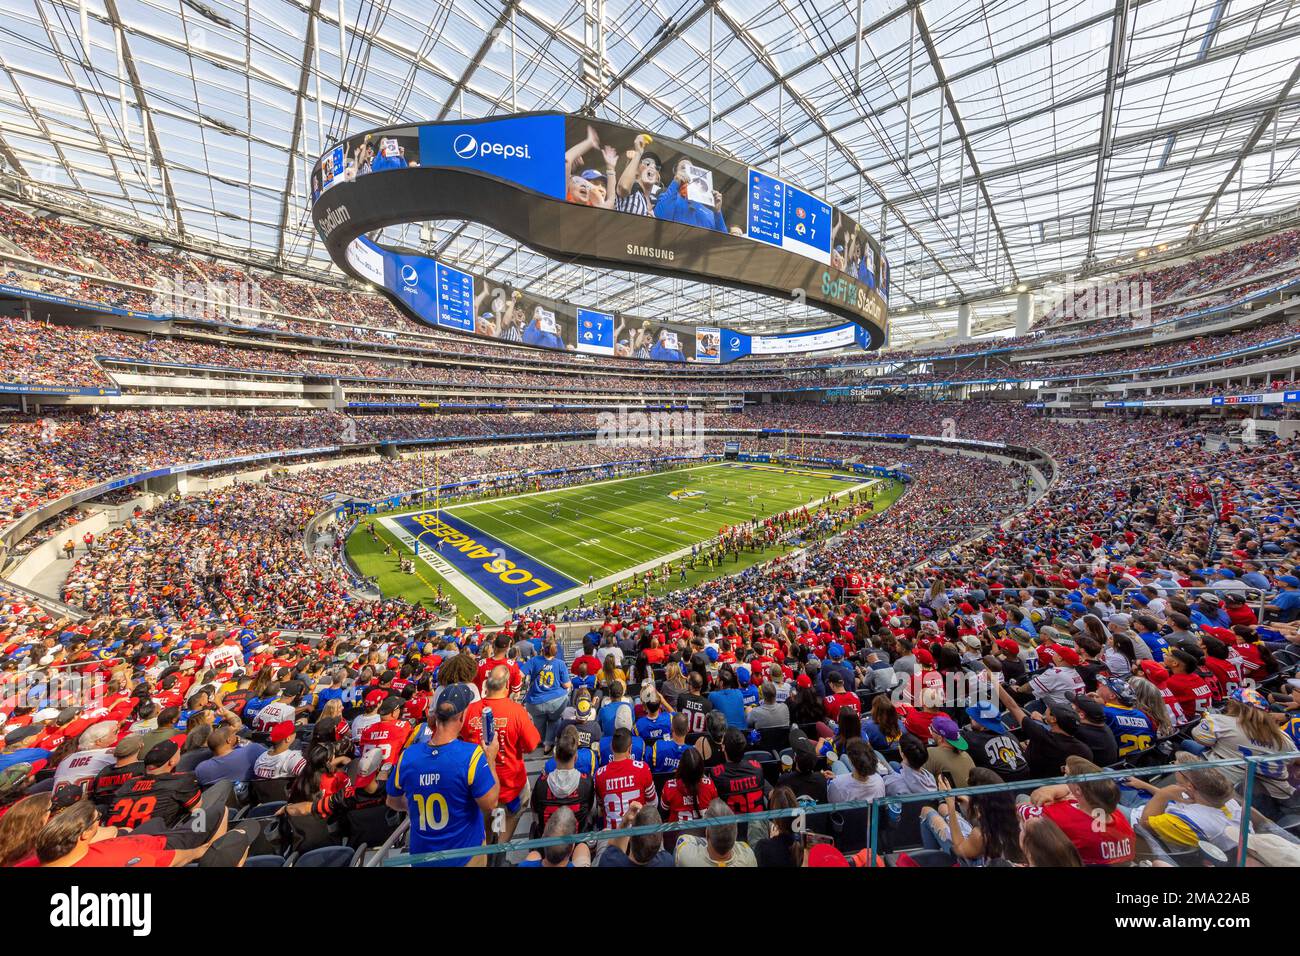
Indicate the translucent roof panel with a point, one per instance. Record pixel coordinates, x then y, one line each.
991 144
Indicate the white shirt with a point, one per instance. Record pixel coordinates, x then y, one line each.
270 766
82 765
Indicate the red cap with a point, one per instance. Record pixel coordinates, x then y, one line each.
1008 645
924 657
803 680
375 697
1068 655
282 731
823 854
1154 672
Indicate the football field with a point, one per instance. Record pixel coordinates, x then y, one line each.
545 549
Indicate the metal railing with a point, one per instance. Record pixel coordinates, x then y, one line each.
876 807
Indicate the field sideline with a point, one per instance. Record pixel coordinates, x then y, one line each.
544 549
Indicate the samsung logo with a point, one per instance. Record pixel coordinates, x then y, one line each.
650 252
335 218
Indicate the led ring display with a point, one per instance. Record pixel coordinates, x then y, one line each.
600 194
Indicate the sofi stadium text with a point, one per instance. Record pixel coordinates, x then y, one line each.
1168 897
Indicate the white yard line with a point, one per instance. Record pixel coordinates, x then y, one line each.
643 566
494 609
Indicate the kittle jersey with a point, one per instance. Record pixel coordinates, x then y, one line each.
621 782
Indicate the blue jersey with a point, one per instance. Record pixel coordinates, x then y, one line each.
607 750
666 754
1133 729
651 729
732 704
608 716
546 679
584 762
442 785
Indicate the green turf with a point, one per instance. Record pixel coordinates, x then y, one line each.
607 528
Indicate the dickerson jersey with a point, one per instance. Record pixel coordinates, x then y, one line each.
1133 729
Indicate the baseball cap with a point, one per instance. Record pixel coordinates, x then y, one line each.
946 728
65 795
453 701
1065 716
1118 687
1250 697
987 717
128 746
1008 646
1290 580
44 714
591 174
835 650
375 697
583 706
824 854
803 680
369 766
282 731
160 753
390 705
1154 672
1093 708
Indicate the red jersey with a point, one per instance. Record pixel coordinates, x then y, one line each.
619 783
518 737
833 703
1226 673
680 804
516 677
1107 845
1191 692
389 736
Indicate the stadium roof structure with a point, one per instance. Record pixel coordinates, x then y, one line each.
995 144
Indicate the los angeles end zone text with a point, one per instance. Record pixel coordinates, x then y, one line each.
540 549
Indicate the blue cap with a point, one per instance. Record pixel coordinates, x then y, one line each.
453 701
1119 688
835 650
1289 580
988 717
711 652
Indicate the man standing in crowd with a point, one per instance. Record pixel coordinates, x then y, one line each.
446 785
